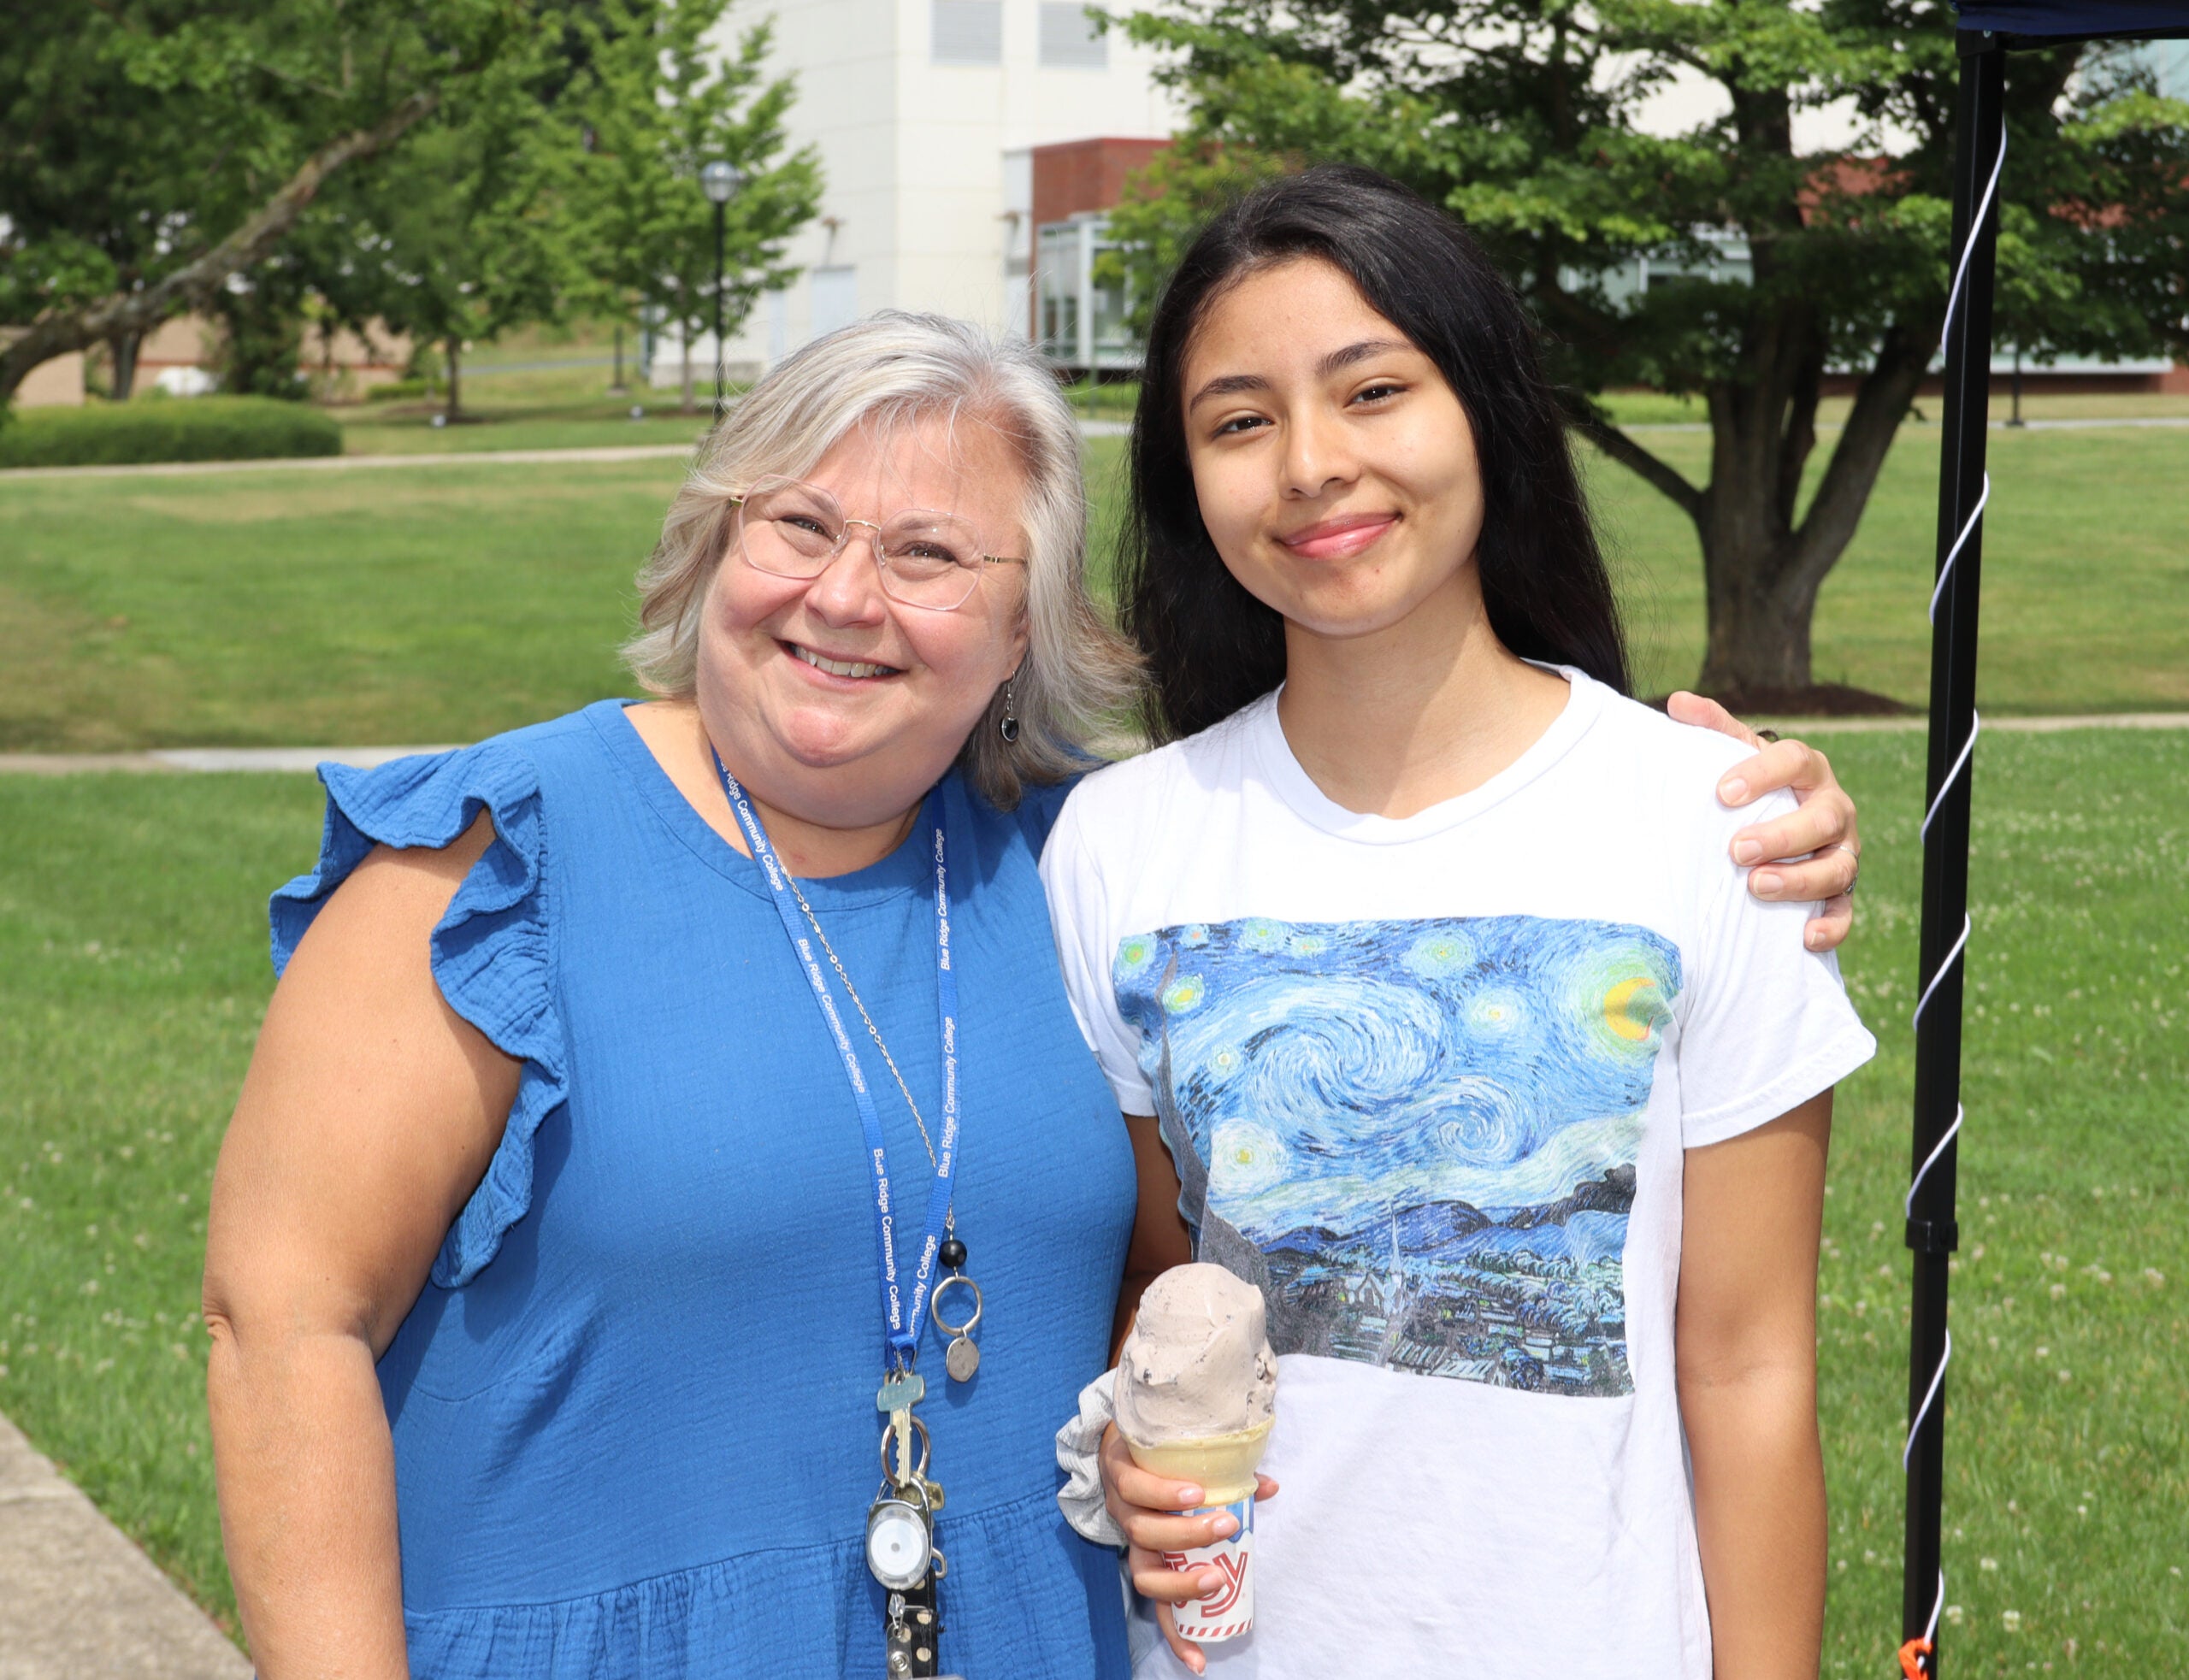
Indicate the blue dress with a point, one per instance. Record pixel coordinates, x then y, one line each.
634 1409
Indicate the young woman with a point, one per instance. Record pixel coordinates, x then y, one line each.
1436 1006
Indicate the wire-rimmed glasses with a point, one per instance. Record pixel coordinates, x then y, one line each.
926 559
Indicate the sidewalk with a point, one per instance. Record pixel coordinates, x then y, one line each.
78 1600
478 458
302 759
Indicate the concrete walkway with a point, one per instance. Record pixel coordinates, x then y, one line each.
305 759
78 1600
207 758
476 457
338 463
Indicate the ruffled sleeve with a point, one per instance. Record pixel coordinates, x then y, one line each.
492 953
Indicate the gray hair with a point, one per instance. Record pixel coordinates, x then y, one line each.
893 368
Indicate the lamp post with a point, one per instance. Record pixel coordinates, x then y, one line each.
719 180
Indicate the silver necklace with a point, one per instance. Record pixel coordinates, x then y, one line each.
961 1357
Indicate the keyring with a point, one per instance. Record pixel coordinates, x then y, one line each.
934 1306
889 1470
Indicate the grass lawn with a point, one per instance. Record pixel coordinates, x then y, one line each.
535 408
132 970
442 605
379 606
133 974
2088 533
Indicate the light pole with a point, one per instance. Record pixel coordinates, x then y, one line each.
719 180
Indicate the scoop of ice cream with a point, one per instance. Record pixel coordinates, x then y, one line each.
1197 1363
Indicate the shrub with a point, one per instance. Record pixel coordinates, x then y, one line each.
201 428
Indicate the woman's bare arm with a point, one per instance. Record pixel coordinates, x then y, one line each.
1146 1504
1746 1357
1160 1237
369 1115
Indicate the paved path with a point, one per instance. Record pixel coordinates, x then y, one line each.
321 464
2024 726
78 1600
490 457
306 758
207 758
2163 420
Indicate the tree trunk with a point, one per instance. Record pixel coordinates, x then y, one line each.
1763 570
454 347
123 348
1756 654
685 335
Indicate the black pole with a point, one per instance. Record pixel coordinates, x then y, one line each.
1931 1233
719 392
2015 419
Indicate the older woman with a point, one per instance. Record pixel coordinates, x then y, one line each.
599 1173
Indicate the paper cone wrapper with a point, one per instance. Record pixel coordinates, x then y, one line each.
1223 1465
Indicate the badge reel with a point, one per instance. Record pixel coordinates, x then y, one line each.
899 1543
900 1552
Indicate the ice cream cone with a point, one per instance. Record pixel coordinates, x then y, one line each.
1223 1465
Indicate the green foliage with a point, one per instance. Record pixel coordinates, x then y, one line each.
1525 117
456 237
1166 202
654 109
1522 117
136 135
200 429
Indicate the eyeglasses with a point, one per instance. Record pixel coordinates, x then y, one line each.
926 559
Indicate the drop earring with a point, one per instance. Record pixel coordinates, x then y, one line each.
1007 725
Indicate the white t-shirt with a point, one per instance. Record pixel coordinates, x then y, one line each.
1428 1081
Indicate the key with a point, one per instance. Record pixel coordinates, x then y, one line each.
902 1423
902 1393
933 1494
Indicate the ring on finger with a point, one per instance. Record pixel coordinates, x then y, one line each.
1842 845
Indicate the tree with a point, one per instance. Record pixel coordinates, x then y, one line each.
1786 265
261 329
458 237
655 105
153 149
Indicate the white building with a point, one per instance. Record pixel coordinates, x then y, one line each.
924 113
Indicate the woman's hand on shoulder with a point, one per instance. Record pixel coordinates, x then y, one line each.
1810 855
1152 1511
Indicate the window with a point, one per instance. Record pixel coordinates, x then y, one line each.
836 299
968 32
1069 40
1082 310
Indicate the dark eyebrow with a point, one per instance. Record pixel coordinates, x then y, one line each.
1338 359
1231 384
1227 386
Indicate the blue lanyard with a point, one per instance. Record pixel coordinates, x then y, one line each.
903 1324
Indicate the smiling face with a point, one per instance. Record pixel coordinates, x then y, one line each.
833 701
1334 466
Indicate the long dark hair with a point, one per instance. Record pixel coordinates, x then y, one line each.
1210 646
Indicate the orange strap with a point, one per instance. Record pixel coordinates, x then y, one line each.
1911 1657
